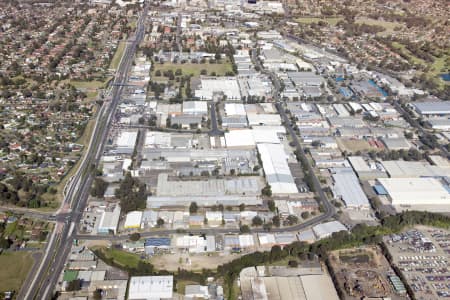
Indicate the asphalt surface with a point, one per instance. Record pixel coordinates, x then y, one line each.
215 131
42 284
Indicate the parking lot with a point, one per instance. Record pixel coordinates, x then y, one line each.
422 255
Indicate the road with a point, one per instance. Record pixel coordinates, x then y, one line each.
329 209
215 131
41 284
413 122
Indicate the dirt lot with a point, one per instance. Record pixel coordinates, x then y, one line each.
362 272
354 145
171 262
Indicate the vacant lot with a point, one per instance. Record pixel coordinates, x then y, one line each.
308 20
117 56
14 269
353 145
119 257
362 272
195 69
388 26
171 262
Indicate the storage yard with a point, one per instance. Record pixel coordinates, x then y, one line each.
422 255
363 272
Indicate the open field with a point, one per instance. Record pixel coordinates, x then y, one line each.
388 26
353 145
412 58
118 55
172 262
308 20
195 69
120 257
14 269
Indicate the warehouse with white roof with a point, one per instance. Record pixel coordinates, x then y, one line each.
195 107
228 86
235 109
410 192
346 186
133 220
150 287
125 142
325 230
276 169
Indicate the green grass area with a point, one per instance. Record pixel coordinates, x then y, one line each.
308 20
195 69
87 85
10 228
70 275
118 55
14 269
119 257
388 26
412 58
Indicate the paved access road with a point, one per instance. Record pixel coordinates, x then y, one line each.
41 284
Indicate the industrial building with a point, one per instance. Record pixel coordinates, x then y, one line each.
227 86
302 283
109 221
150 287
276 169
125 142
210 191
195 107
346 186
432 108
305 78
406 169
133 220
363 170
410 192
325 230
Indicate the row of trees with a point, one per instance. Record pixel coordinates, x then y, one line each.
131 193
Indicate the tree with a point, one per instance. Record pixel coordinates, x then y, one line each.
135 237
271 205
97 294
292 220
267 191
160 222
305 215
276 221
244 229
257 221
131 193
242 207
99 188
74 285
193 208
293 263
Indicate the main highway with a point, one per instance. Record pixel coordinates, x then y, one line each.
40 285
